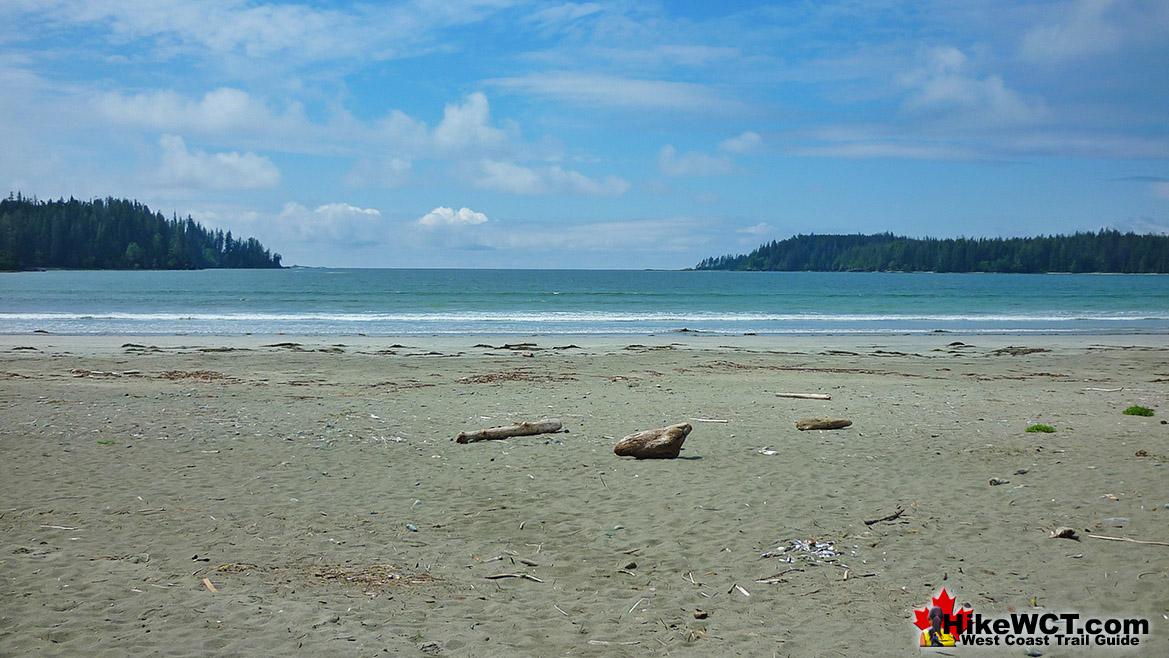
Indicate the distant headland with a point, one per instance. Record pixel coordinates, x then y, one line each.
115 234
1101 252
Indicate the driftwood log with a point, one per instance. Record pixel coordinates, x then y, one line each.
662 443
805 396
822 423
526 428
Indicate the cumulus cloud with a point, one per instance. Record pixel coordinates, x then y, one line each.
748 142
467 126
336 223
692 163
447 217
219 111
506 176
941 88
219 171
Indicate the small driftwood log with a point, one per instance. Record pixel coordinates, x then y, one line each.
822 423
662 443
805 396
526 428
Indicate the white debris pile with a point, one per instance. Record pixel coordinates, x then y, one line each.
811 552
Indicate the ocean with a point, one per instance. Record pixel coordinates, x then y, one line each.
388 302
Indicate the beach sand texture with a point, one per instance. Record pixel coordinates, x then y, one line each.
316 487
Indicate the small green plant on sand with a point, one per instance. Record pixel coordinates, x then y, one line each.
1137 410
1046 429
106 442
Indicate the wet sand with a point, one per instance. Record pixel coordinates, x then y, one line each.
315 485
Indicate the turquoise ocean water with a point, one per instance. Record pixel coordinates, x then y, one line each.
524 302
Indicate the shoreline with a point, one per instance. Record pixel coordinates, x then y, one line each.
313 481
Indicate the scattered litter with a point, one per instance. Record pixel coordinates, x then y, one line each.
994 482
1064 532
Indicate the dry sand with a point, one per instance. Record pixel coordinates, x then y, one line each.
317 488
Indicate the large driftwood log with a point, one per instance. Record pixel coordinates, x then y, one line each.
525 428
822 423
662 443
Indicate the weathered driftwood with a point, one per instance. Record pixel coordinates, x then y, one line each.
526 428
662 443
805 396
822 423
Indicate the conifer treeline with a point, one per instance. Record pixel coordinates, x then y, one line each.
1104 251
115 234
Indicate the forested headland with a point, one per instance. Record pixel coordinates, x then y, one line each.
115 234
1103 251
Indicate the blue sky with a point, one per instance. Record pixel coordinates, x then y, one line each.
506 133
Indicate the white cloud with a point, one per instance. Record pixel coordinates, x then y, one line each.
506 176
467 126
557 15
1084 30
692 163
336 223
220 171
287 34
444 217
748 142
941 89
223 110
599 90
708 198
675 234
762 228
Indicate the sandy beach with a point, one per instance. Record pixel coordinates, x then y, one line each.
190 496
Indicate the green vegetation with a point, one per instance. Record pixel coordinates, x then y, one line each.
106 442
1137 410
1046 429
115 234
1105 251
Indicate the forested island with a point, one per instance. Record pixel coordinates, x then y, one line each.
1103 251
115 234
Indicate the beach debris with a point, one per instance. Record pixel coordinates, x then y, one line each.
661 443
208 585
1130 540
805 396
890 517
1064 532
701 614
810 552
768 451
524 428
738 587
994 482
822 424
525 576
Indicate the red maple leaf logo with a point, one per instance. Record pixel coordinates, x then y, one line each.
951 623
